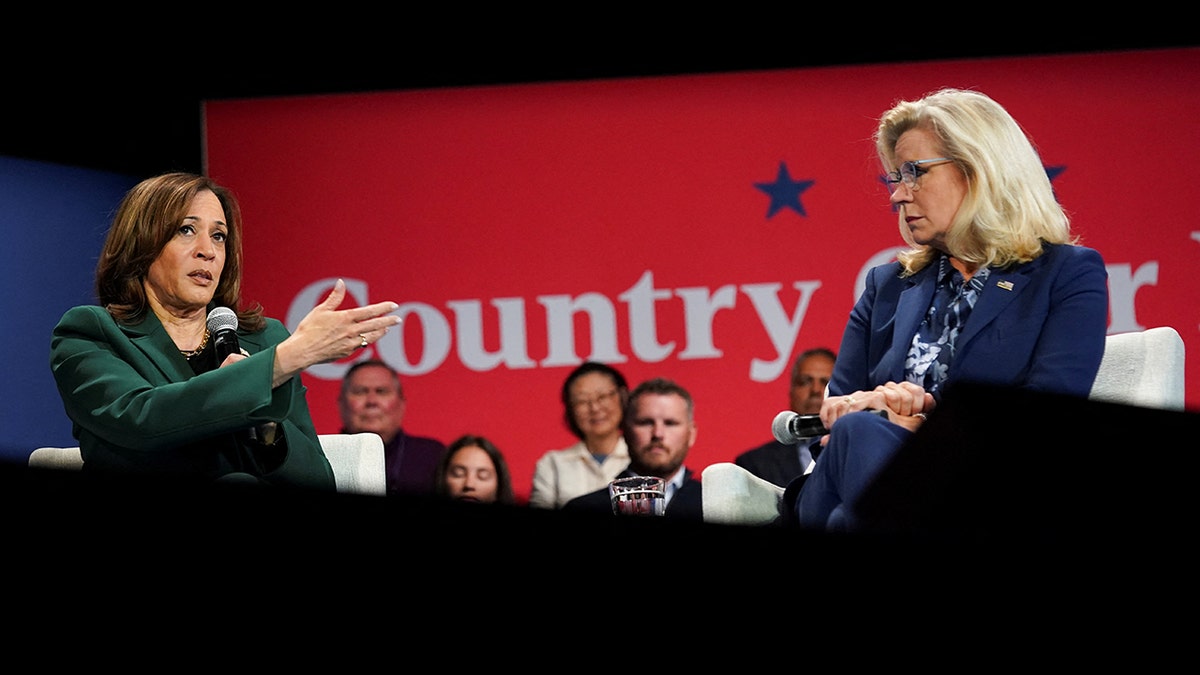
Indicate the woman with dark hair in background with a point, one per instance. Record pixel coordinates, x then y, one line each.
474 470
593 398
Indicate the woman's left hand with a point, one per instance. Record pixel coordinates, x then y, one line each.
906 403
234 358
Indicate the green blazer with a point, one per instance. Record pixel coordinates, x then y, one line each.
136 405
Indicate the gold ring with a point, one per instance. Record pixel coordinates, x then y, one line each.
849 400
363 338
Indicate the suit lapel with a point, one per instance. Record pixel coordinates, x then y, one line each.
158 348
156 345
251 342
910 312
1001 289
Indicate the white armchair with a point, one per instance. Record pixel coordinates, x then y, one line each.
1142 368
356 459
56 458
732 495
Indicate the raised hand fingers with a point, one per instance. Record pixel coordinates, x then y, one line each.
369 321
373 329
326 333
336 296
374 316
357 314
377 317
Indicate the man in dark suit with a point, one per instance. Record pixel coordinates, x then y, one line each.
372 400
660 428
773 460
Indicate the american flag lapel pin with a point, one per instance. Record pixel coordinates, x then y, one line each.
1006 285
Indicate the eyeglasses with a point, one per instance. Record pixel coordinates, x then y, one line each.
598 400
909 173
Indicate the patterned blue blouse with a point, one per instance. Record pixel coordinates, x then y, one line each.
932 347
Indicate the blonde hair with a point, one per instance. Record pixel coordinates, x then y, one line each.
1010 208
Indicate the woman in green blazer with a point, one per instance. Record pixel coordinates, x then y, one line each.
139 374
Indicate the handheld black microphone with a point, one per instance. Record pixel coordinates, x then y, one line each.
789 428
222 329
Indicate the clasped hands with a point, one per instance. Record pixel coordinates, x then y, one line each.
906 404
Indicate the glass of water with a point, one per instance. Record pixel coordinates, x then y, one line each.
638 496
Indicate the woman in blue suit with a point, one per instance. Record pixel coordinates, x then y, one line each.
141 377
994 288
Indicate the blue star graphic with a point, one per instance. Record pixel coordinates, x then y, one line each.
1052 173
785 192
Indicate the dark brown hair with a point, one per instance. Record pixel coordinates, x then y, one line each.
581 370
504 488
147 218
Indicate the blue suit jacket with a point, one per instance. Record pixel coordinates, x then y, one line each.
1039 325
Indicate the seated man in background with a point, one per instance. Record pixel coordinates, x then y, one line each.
372 400
773 460
660 428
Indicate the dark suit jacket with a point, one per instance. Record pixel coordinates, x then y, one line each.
685 504
412 463
1040 326
773 461
137 406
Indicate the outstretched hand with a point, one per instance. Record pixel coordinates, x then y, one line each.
327 333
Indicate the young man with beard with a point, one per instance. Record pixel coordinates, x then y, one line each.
660 428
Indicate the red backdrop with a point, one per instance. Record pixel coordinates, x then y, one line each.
704 227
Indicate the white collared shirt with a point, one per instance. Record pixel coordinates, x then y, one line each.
674 484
